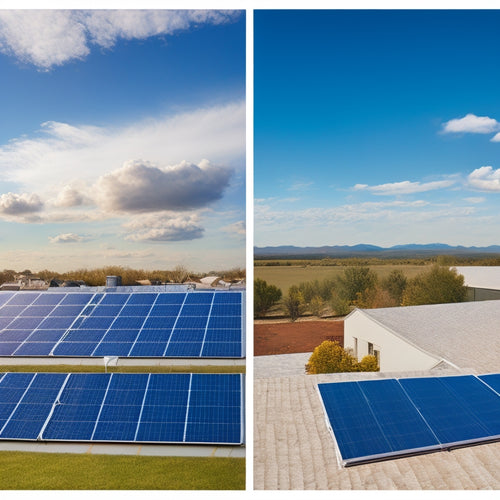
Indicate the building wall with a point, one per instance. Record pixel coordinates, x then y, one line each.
474 294
395 354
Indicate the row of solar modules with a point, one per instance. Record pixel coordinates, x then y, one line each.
380 419
169 324
119 407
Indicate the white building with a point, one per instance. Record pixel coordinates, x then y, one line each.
483 282
464 335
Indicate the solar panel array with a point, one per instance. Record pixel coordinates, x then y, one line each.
379 419
120 407
171 324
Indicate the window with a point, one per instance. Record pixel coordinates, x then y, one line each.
370 348
355 346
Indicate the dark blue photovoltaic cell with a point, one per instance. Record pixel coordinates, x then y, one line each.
75 349
77 320
165 310
113 349
48 299
25 323
85 336
23 298
106 310
115 299
121 335
176 408
188 335
493 380
196 310
183 349
224 322
76 299
142 298
14 335
221 349
148 349
67 310
11 311
4 322
457 408
5 297
35 404
37 311
198 298
45 335
356 430
35 348
7 348
127 322
226 310
170 298
227 298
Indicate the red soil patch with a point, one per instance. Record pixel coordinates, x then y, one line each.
301 336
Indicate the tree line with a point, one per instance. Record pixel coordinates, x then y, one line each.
97 276
361 287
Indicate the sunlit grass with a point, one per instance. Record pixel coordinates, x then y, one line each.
62 471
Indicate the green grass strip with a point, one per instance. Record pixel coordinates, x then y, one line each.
122 369
63 471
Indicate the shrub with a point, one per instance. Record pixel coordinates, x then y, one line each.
294 303
265 296
330 357
368 364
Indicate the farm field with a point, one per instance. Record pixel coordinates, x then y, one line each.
285 276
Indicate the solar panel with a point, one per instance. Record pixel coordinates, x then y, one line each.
380 419
119 407
198 324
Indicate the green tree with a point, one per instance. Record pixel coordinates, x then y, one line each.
340 306
395 284
355 281
265 296
316 305
439 285
294 303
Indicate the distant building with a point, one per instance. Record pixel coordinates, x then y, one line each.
482 282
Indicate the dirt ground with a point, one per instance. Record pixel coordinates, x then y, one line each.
284 337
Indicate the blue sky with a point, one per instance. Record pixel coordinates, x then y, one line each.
378 127
122 139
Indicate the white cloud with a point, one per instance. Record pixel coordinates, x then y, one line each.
66 238
236 229
472 124
39 163
142 187
20 204
475 199
495 138
404 187
47 38
485 179
164 227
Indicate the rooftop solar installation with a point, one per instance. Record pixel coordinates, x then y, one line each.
123 407
380 419
192 324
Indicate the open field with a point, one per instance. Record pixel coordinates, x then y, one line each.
285 276
272 337
64 471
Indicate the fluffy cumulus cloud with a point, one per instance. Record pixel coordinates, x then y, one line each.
47 38
20 204
485 179
142 187
164 227
40 162
237 229
404 187
66 238
471 123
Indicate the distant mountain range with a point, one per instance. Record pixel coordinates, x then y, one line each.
363 250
